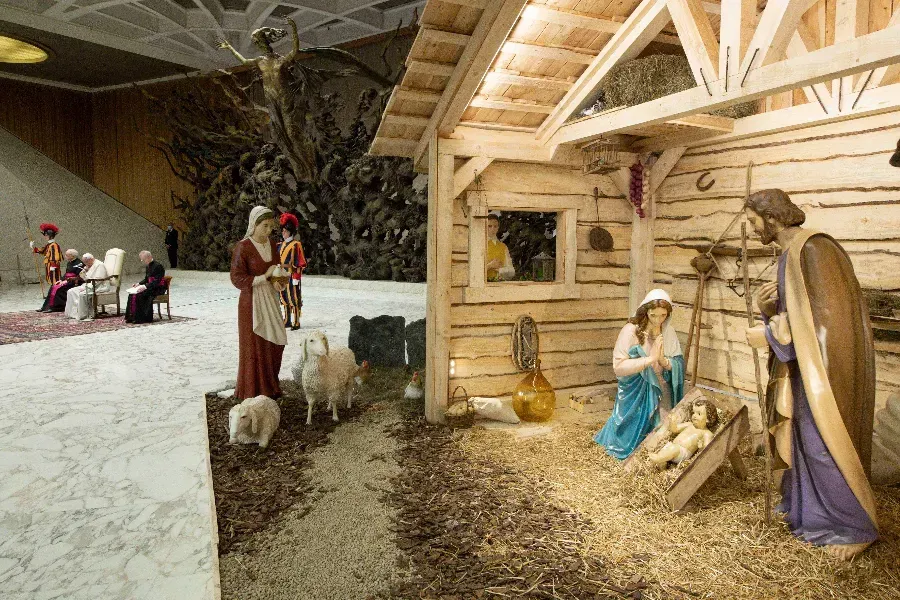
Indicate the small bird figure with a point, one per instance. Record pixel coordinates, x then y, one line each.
414 389
363 373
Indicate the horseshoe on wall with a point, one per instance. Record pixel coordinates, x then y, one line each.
701 186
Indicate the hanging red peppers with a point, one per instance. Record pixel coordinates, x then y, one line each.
637 190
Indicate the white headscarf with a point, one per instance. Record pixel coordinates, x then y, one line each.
255 214
671 345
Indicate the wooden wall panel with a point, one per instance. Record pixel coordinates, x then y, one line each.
55 121
838 174
125 165
577 336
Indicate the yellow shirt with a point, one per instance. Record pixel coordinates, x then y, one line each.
497 250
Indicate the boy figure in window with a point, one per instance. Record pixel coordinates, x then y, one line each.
498 263
52 253
293 262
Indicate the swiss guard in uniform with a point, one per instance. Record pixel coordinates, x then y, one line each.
293 262
52 253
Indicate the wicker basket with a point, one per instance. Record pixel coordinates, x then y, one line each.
467 418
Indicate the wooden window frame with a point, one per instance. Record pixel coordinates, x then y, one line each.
480 291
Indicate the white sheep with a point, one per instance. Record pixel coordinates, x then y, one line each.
253 421
326 375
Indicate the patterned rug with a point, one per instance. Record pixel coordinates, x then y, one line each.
31 326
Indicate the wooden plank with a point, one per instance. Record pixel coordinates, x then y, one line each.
735 31
560 378
697 38
886 74
707 460
567 340
803 42
440 36
497 126
516 105
776 25
479 4
485 41
710 122
521 292
556 312
415 95
549 83
411 121
866 52
851 21
382 146
430 67
582 56
644 24
570 18
663 166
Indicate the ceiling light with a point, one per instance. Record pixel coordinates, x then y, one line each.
17 51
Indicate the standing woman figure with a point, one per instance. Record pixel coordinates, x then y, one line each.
292 261
52 253
261 336
649 365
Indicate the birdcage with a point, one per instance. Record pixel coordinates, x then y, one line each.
599 157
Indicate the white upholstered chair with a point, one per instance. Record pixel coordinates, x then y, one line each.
114 262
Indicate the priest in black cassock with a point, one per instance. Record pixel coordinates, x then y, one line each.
140 297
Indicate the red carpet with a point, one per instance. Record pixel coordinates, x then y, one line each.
31 326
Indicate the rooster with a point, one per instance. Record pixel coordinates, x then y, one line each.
414 390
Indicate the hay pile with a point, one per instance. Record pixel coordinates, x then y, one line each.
720 550
651 77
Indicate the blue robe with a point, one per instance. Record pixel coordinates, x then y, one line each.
636 412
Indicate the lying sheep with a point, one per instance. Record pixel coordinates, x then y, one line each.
326 375
253 421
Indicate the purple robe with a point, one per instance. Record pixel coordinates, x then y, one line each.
819 506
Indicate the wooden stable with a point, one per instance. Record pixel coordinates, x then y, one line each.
485 107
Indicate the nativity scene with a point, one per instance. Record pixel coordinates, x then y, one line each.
464 299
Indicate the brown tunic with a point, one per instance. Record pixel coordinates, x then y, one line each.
259 361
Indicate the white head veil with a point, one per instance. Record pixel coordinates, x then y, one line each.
255 214
671 345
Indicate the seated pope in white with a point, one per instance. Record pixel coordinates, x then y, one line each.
79 300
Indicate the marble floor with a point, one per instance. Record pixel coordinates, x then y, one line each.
104 480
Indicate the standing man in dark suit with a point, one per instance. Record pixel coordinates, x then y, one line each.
172 245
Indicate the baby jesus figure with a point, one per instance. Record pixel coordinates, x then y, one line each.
691 436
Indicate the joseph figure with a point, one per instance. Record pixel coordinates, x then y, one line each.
821 393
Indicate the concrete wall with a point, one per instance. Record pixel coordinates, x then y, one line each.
89 220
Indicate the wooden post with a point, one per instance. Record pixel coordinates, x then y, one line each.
641 261
439 251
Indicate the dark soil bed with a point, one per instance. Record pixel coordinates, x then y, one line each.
253 485
475 529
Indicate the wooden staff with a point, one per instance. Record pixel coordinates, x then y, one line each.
760 394
37 267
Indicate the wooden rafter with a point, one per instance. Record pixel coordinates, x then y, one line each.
851 21
698 39
409 120
570 18
641 27
493 27
802 43
416 95
776 26
468 171
440 36
735 32
866 52
875 101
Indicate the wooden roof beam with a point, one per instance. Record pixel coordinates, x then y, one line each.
480 4
496 22
428 67
802 43
866 52
569 18
382 146
698 39
776 26
642 26
581 56
440 36
544 83
416 95
735 31
851 20
408 120
509 104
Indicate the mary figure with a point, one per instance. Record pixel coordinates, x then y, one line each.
649 365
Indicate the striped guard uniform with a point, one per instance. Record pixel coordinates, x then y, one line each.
292 261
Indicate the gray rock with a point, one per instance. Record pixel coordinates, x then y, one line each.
415 344
381 341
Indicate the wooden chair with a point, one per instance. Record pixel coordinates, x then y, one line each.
164 298
114 262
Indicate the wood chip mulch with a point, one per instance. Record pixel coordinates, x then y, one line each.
473 528
253 486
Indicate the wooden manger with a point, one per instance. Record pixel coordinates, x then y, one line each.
723 445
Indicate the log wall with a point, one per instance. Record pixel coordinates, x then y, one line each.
576 336
838 174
